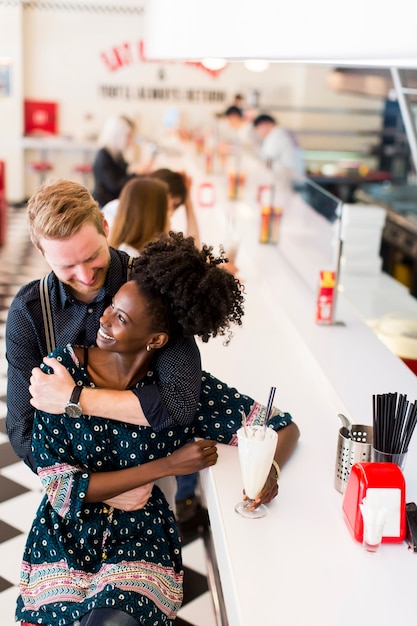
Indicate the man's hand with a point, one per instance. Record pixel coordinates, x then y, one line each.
131 500
51 392
193 457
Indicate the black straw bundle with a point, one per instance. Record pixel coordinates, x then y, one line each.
393 425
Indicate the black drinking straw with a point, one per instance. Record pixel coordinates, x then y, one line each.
377 422
385 401
395 424
373 420
394 420
390 423
402 416
269 405
410 426
383 421
392 409
400 425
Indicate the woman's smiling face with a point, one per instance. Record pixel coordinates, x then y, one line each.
126 325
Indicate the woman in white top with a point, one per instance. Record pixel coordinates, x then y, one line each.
142 215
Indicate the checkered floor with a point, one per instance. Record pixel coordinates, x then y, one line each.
20 490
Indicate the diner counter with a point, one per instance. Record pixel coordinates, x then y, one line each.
47 143
300 565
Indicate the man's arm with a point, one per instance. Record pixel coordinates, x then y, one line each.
22 353
51 392
178 369
172 401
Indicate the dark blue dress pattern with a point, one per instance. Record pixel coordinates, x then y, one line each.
80 556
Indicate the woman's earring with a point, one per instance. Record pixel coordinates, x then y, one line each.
148 348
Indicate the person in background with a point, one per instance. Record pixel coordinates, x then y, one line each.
234 116
239 131
279 148
142 215
239 101
111 169
179 194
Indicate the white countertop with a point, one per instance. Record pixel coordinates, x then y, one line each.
300 565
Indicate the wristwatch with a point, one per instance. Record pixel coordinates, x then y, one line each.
73 406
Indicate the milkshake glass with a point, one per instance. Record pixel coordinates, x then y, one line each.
256 448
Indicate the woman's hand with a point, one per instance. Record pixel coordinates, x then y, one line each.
51 392
268 493
193 457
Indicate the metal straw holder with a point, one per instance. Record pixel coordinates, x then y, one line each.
354 445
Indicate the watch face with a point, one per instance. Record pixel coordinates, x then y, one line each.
73 410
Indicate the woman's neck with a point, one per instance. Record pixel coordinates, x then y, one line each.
112 370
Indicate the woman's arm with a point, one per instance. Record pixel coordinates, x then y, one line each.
192 224
192 457
69 484
219 417
286 444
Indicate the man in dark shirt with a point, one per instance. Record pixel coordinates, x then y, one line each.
70 231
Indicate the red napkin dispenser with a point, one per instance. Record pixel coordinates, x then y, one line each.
387 484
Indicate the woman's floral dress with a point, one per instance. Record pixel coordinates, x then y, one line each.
80 556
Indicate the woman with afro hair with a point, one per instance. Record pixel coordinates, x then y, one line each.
86 562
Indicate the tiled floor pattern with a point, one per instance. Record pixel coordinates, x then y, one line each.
20 490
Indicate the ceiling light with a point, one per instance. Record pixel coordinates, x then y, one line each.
256 65
214 63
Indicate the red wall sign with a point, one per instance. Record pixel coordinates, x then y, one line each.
40 118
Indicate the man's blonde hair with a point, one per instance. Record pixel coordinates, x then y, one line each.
58 210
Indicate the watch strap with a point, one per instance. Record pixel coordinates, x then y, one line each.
76 392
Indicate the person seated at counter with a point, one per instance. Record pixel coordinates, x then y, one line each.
111 169
238 131
179 194
128 563
239 101
278 147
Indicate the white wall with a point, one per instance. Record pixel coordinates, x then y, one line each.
11 107
58 55
319 31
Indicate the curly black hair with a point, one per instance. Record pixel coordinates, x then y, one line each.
188 291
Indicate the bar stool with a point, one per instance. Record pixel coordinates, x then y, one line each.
41 168
85 170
